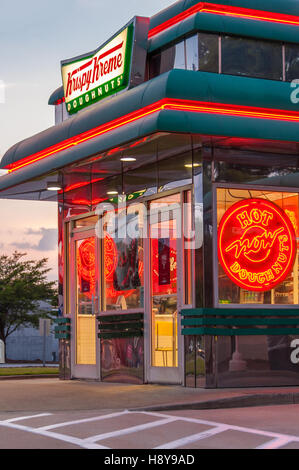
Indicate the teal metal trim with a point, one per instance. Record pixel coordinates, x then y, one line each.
61 320
240 321
58 94
119 335
226 25
103 319
250 312
63 328
287 7
62 336
240 331
120 326
201 86
197 321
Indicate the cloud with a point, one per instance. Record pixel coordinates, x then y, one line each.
47 242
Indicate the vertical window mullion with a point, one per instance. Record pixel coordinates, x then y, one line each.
284 62
219 55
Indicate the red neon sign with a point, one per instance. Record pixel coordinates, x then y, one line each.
256 244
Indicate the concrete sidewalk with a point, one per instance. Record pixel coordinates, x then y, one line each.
27 364
45 394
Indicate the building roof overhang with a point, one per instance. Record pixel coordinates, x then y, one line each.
178 101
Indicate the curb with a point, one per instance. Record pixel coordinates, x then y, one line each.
235 402
23 377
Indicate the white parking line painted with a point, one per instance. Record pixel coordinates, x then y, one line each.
232 427
122 432
276 440
53 435
275 443
194 437
20 418
83 420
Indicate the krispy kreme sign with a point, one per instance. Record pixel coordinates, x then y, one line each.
256 244
92 77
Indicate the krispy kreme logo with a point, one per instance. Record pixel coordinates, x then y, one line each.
98 75
256 244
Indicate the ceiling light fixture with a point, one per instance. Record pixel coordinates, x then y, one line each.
112 193
192 165
53 186
128 159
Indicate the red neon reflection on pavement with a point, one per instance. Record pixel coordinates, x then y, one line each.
256 244
226 10
167 103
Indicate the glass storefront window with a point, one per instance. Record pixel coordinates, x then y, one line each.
292 62
188 251
192 53
179 59
239 56
208 52
86 297
123 285
163 268
171 58
251 58
284 293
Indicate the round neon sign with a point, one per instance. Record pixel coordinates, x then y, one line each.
256 244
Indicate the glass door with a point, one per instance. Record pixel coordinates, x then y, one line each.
85 302
164 355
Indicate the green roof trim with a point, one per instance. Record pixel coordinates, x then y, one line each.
58 94
176 84
226 25
287 7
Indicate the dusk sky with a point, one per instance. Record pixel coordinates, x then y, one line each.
35 35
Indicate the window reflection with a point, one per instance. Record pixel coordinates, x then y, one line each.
163 268
251 58
171 58
208 52
292 62
123 260
192 53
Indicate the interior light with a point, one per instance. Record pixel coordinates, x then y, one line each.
112 192
128 159
53 186
192 165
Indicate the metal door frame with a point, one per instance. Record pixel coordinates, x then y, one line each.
153 374
85 371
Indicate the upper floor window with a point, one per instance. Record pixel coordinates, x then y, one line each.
198 52
292 62
171 58
251 58
247 57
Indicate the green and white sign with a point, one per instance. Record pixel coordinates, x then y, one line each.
90 78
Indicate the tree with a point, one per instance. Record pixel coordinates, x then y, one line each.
23 284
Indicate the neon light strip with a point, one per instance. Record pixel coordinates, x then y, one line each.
226 10
164 104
